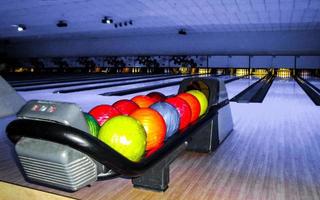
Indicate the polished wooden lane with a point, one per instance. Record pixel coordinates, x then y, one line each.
11 191
273 153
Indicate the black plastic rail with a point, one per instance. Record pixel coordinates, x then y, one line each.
99 151
312 91
101 80
255 92
117 84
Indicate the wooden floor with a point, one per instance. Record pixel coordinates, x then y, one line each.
13 191
273 153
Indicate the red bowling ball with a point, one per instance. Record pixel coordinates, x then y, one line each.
184 110
125 106
103 113
143 101
193 103
158 96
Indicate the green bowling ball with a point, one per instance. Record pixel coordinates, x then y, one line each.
92 124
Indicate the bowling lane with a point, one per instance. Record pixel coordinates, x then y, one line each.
226 77
135 85
64 85
20 78
103 86
62 79
86 99
237 86
171 90
288 90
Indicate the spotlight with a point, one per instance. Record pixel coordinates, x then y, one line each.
107 20
182 32
21 27
123 24
62 23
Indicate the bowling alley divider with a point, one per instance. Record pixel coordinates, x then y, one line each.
54 148
11 101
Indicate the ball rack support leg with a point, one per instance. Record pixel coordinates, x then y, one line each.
157 178
206 139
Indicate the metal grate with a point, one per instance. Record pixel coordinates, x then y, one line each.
79 171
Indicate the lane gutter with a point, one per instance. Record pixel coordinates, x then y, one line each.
256 92
312 91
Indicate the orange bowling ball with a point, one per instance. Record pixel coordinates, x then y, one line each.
154 126
143 101
193 103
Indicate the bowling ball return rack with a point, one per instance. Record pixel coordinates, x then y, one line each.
54 147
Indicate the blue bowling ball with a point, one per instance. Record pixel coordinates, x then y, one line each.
170 116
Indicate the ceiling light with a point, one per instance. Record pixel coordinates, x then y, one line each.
182 32
20 27
123 24
62 23
107 20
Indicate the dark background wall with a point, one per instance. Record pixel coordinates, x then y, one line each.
2 48
289 49
264 43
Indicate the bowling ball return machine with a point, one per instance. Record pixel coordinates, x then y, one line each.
54 147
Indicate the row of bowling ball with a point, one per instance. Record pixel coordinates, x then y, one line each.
138 127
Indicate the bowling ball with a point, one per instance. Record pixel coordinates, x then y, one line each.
193 103
125 135
125 106
158 96
103 113
183 109
92 124
143 101
202 100
153 124
170 116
